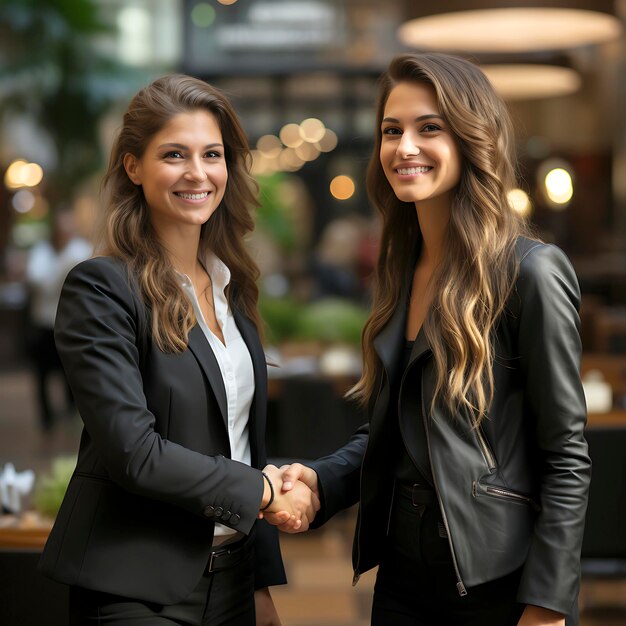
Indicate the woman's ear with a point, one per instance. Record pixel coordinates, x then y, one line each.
131 165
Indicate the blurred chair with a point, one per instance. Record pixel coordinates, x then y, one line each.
610 330
309 419
604 542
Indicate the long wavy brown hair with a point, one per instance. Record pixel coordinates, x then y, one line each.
126 231
477 273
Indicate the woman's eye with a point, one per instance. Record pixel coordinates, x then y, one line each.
213 154
391 131
174 154
431 128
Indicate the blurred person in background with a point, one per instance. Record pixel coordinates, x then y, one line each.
48 264
473 473
159 336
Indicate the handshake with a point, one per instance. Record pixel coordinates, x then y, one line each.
296 497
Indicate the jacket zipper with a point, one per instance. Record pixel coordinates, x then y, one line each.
486 450
460 586
501 492
357 573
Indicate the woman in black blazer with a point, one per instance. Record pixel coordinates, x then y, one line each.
159 337
472 473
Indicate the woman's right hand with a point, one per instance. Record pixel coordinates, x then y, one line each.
295 503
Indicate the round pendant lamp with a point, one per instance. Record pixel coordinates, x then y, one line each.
507 27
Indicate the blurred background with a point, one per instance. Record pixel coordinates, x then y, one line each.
302 76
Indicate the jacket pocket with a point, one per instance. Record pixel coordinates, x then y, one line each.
504 493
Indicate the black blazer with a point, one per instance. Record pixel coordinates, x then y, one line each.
153 473
513 493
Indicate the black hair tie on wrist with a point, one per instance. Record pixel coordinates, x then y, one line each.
269 482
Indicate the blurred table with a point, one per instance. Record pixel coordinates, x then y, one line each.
28 532
615 419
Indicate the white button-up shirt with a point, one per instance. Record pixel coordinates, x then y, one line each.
233 359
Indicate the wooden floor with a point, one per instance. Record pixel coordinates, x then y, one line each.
320 591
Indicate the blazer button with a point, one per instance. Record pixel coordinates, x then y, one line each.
234 520
219 511
226 516
209 511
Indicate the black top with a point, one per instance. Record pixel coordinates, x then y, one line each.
408 469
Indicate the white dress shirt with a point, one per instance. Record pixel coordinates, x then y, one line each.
234 362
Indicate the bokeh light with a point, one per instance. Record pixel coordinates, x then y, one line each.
289 161
307 152
269 146
520 202
203 15
559 186
23 201
312 129
21 173
328 142
342 187
290 135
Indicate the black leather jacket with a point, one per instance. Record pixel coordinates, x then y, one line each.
512 493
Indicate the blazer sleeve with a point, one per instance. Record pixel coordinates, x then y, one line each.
338 476
550 349
99 332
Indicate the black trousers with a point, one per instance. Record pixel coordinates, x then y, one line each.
224 597
416 583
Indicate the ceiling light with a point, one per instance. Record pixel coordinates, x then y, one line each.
525 82
510 30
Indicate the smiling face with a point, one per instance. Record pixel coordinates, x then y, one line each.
418 152
182 171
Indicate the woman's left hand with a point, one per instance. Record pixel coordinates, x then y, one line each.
538 616
266 614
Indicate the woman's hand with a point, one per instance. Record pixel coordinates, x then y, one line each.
538 616
293 477
266 614
294 508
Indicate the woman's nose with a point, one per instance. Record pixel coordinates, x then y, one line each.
195 170
408 146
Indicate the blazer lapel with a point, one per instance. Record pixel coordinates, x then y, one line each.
420 347
201 349
258 410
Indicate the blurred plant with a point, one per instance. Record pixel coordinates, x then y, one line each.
53 70
280 316
50 488
332 320
274 216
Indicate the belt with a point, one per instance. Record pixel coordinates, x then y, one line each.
418 495
228 556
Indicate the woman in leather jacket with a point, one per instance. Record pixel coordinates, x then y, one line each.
472 472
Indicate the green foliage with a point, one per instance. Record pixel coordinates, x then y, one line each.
332 320
51 487
280 316
273 216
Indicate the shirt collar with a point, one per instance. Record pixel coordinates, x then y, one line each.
216 269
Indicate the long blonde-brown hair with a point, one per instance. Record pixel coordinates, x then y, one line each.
127 233
475 278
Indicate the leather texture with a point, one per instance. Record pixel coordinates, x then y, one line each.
513 493
153 473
